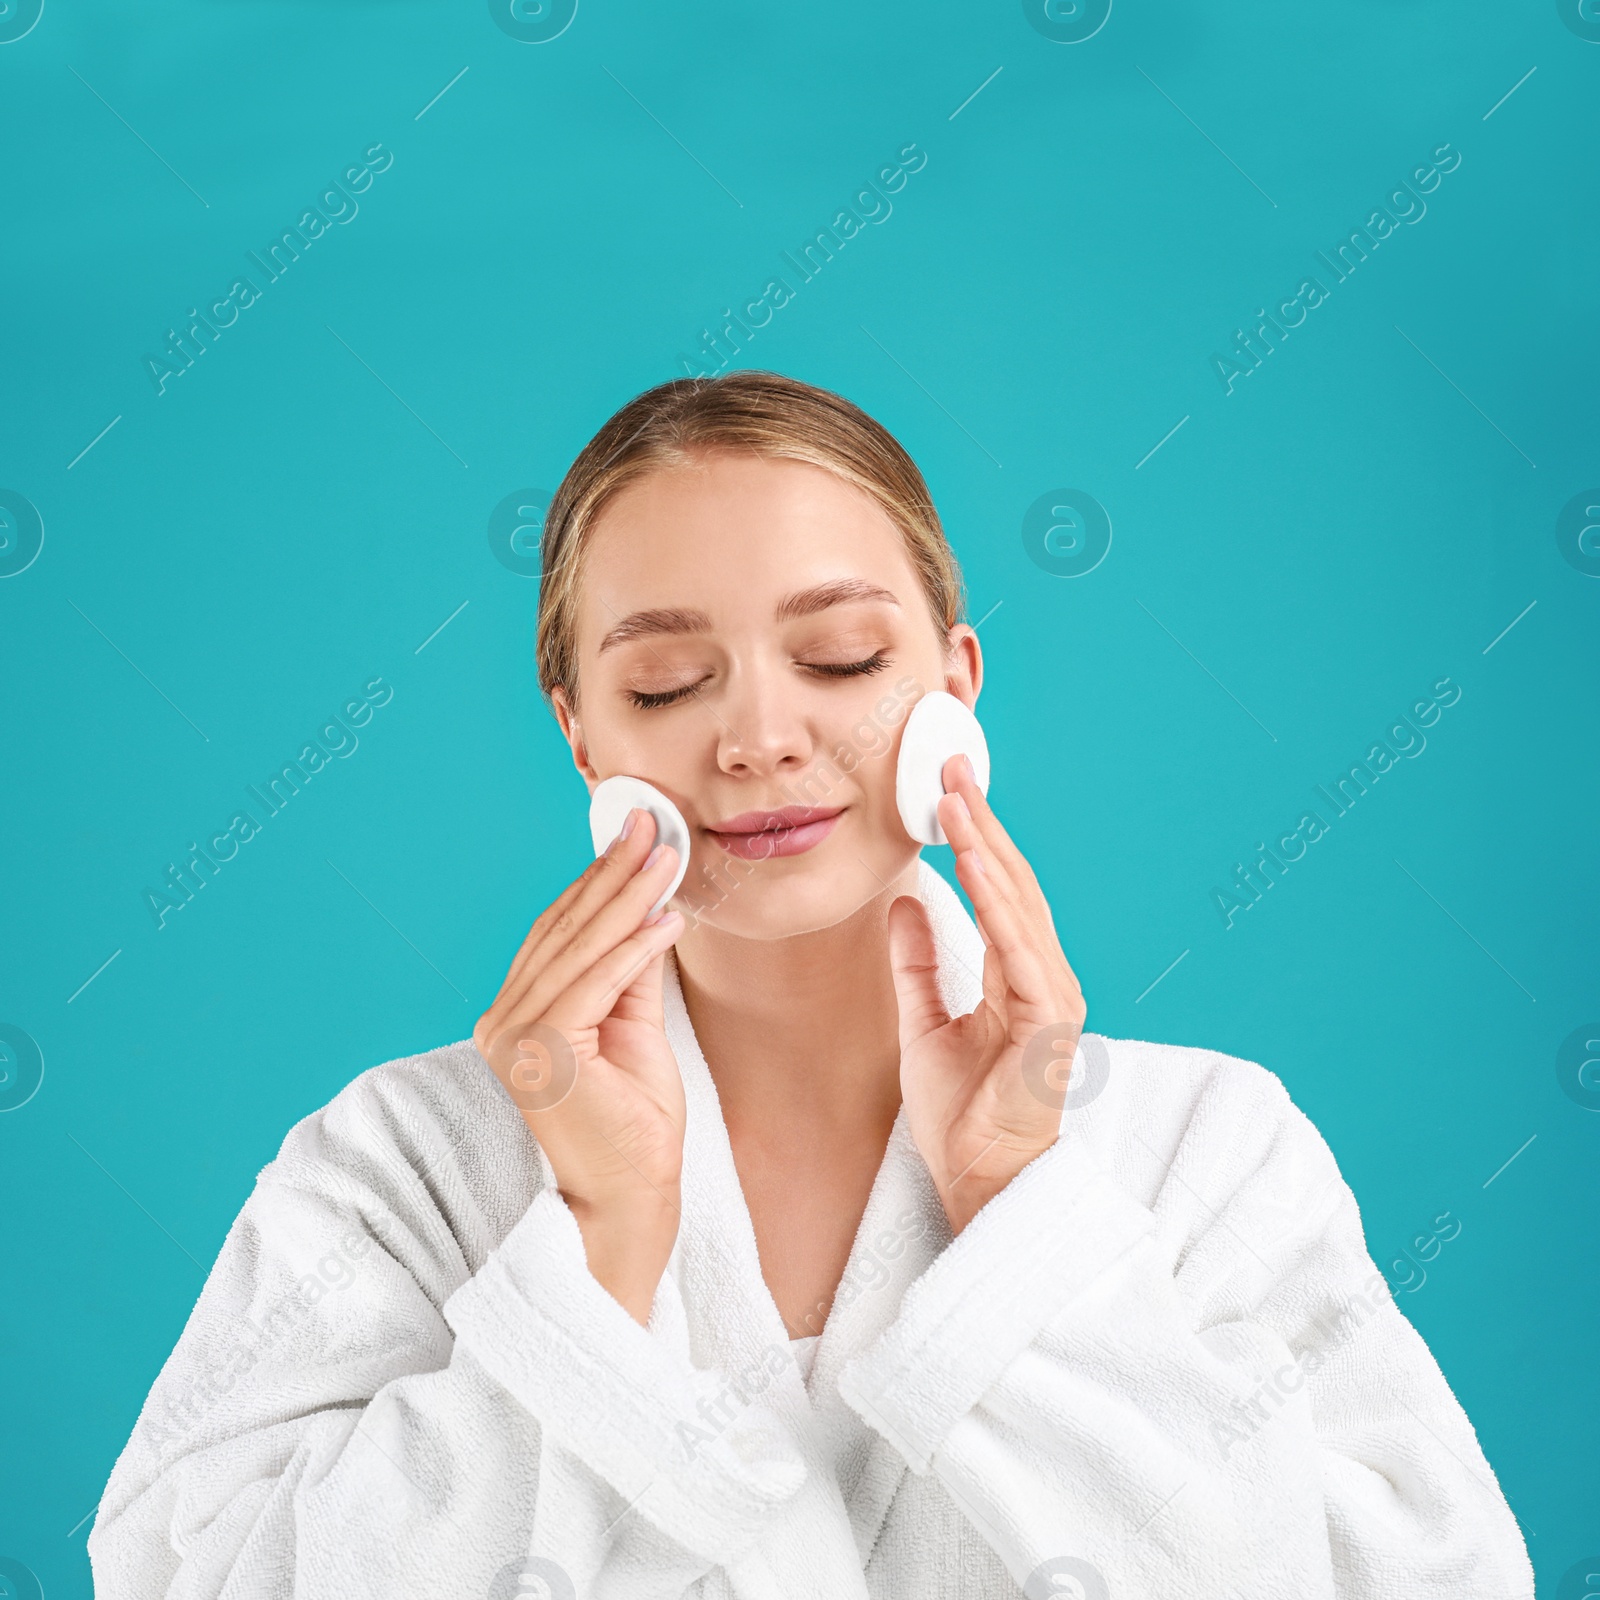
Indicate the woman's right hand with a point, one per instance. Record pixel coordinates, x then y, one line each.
576 1036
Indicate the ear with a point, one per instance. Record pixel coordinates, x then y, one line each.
572 732
963 668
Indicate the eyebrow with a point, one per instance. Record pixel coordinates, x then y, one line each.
804 603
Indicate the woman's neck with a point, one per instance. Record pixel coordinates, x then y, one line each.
800 1033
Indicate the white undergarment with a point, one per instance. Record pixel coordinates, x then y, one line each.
805 1354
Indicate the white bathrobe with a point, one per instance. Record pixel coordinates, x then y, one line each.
1159 1363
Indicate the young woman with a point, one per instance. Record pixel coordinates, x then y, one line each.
765 1248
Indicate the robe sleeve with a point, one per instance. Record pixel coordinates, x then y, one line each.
351 1411
1214 1394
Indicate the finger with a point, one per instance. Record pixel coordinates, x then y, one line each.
613 875
1026 976
959 779
589 998
914 964
564 908
641 1000
982 829
1042 993
596 885
961 829
600 883
556 966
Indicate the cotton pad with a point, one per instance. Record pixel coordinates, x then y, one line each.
939 727
609 806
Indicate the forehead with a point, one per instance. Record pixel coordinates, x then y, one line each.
732 531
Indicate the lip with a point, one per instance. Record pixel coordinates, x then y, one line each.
789 831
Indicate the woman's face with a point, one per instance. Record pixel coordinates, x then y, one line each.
751 637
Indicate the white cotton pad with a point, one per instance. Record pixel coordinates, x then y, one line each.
939 727
609 806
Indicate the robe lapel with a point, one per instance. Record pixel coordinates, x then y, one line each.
903 1230
725 1312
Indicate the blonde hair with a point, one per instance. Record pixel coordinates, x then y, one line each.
775 416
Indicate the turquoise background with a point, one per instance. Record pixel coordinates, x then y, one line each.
301 511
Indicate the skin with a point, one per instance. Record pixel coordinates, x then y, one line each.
809 978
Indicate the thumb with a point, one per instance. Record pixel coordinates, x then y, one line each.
915 967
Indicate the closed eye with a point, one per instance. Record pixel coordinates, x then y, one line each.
665 697
876 662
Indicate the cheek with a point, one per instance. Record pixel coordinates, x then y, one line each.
868 740
866 749
663 746
875 779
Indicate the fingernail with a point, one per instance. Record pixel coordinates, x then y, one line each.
977 862
628 822
650 860
966 761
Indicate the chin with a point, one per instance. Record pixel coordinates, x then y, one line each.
818 890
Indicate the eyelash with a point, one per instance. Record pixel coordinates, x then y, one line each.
876 662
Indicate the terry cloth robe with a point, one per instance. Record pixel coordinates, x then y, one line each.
1160 1362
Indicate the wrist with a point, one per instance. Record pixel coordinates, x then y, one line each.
963 1204
627 1245
969 1192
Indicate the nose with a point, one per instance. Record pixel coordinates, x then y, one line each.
763 733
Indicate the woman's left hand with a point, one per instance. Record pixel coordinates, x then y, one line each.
984 1092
